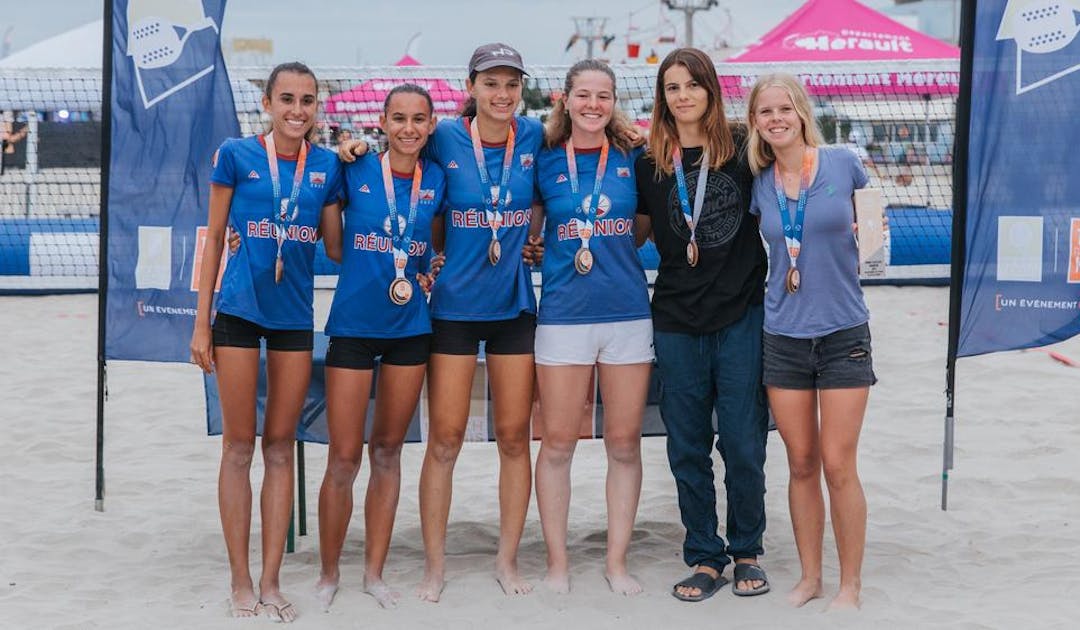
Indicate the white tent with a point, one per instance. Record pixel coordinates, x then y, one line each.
64 72
80 47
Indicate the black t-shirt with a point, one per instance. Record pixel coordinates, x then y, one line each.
730 274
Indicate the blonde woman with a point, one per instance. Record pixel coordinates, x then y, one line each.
817 363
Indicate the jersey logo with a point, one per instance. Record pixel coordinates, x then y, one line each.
317 178
526 160
427 194
365 189
622 171
253 174
213 160
602 208
560 179
452 164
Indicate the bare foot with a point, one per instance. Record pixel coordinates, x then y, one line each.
325 590
386 596
243 602
511 581
623 584
846 599
806 590
276 607
557 582
431 587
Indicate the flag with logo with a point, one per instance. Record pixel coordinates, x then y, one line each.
171 108
1021 285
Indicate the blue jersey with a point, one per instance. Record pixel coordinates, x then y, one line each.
362 305
248 289
615 289
470 288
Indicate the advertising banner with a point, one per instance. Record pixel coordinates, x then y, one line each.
172 106
1021 285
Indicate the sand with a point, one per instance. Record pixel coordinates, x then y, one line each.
1006 554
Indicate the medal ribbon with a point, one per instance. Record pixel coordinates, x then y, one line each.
281 207
793 230
492 203
586 229
401 240
699 192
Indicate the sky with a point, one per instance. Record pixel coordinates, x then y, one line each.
376 32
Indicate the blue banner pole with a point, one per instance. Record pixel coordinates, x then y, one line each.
103 249
959 231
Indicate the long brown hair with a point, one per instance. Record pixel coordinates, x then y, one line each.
664 135
468 106
558 127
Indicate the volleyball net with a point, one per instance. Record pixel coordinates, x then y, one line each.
897 116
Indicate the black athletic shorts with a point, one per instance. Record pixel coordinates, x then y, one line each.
359 353
504 336
236 332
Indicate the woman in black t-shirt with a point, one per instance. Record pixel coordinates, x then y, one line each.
694 186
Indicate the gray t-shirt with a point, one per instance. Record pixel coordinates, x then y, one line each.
829 297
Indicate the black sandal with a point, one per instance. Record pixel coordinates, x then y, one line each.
703 582
746 572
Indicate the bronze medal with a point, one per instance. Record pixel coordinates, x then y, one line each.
494 252
279 270
791 282
583 260
692 253
401 291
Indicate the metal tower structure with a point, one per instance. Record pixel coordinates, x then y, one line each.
689 8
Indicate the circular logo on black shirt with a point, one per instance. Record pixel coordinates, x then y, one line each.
721 215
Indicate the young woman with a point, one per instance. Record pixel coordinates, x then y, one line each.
694 186
271 190
818 369
379 310
594 312
485 294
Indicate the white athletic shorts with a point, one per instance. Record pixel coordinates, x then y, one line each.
610 343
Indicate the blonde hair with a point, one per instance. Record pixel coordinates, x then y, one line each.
759 152
558 127
663 134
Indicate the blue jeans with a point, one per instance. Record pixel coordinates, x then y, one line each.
719 372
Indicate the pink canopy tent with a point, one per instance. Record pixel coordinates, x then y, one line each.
365 101
845 30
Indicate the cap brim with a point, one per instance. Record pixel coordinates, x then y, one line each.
481 67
